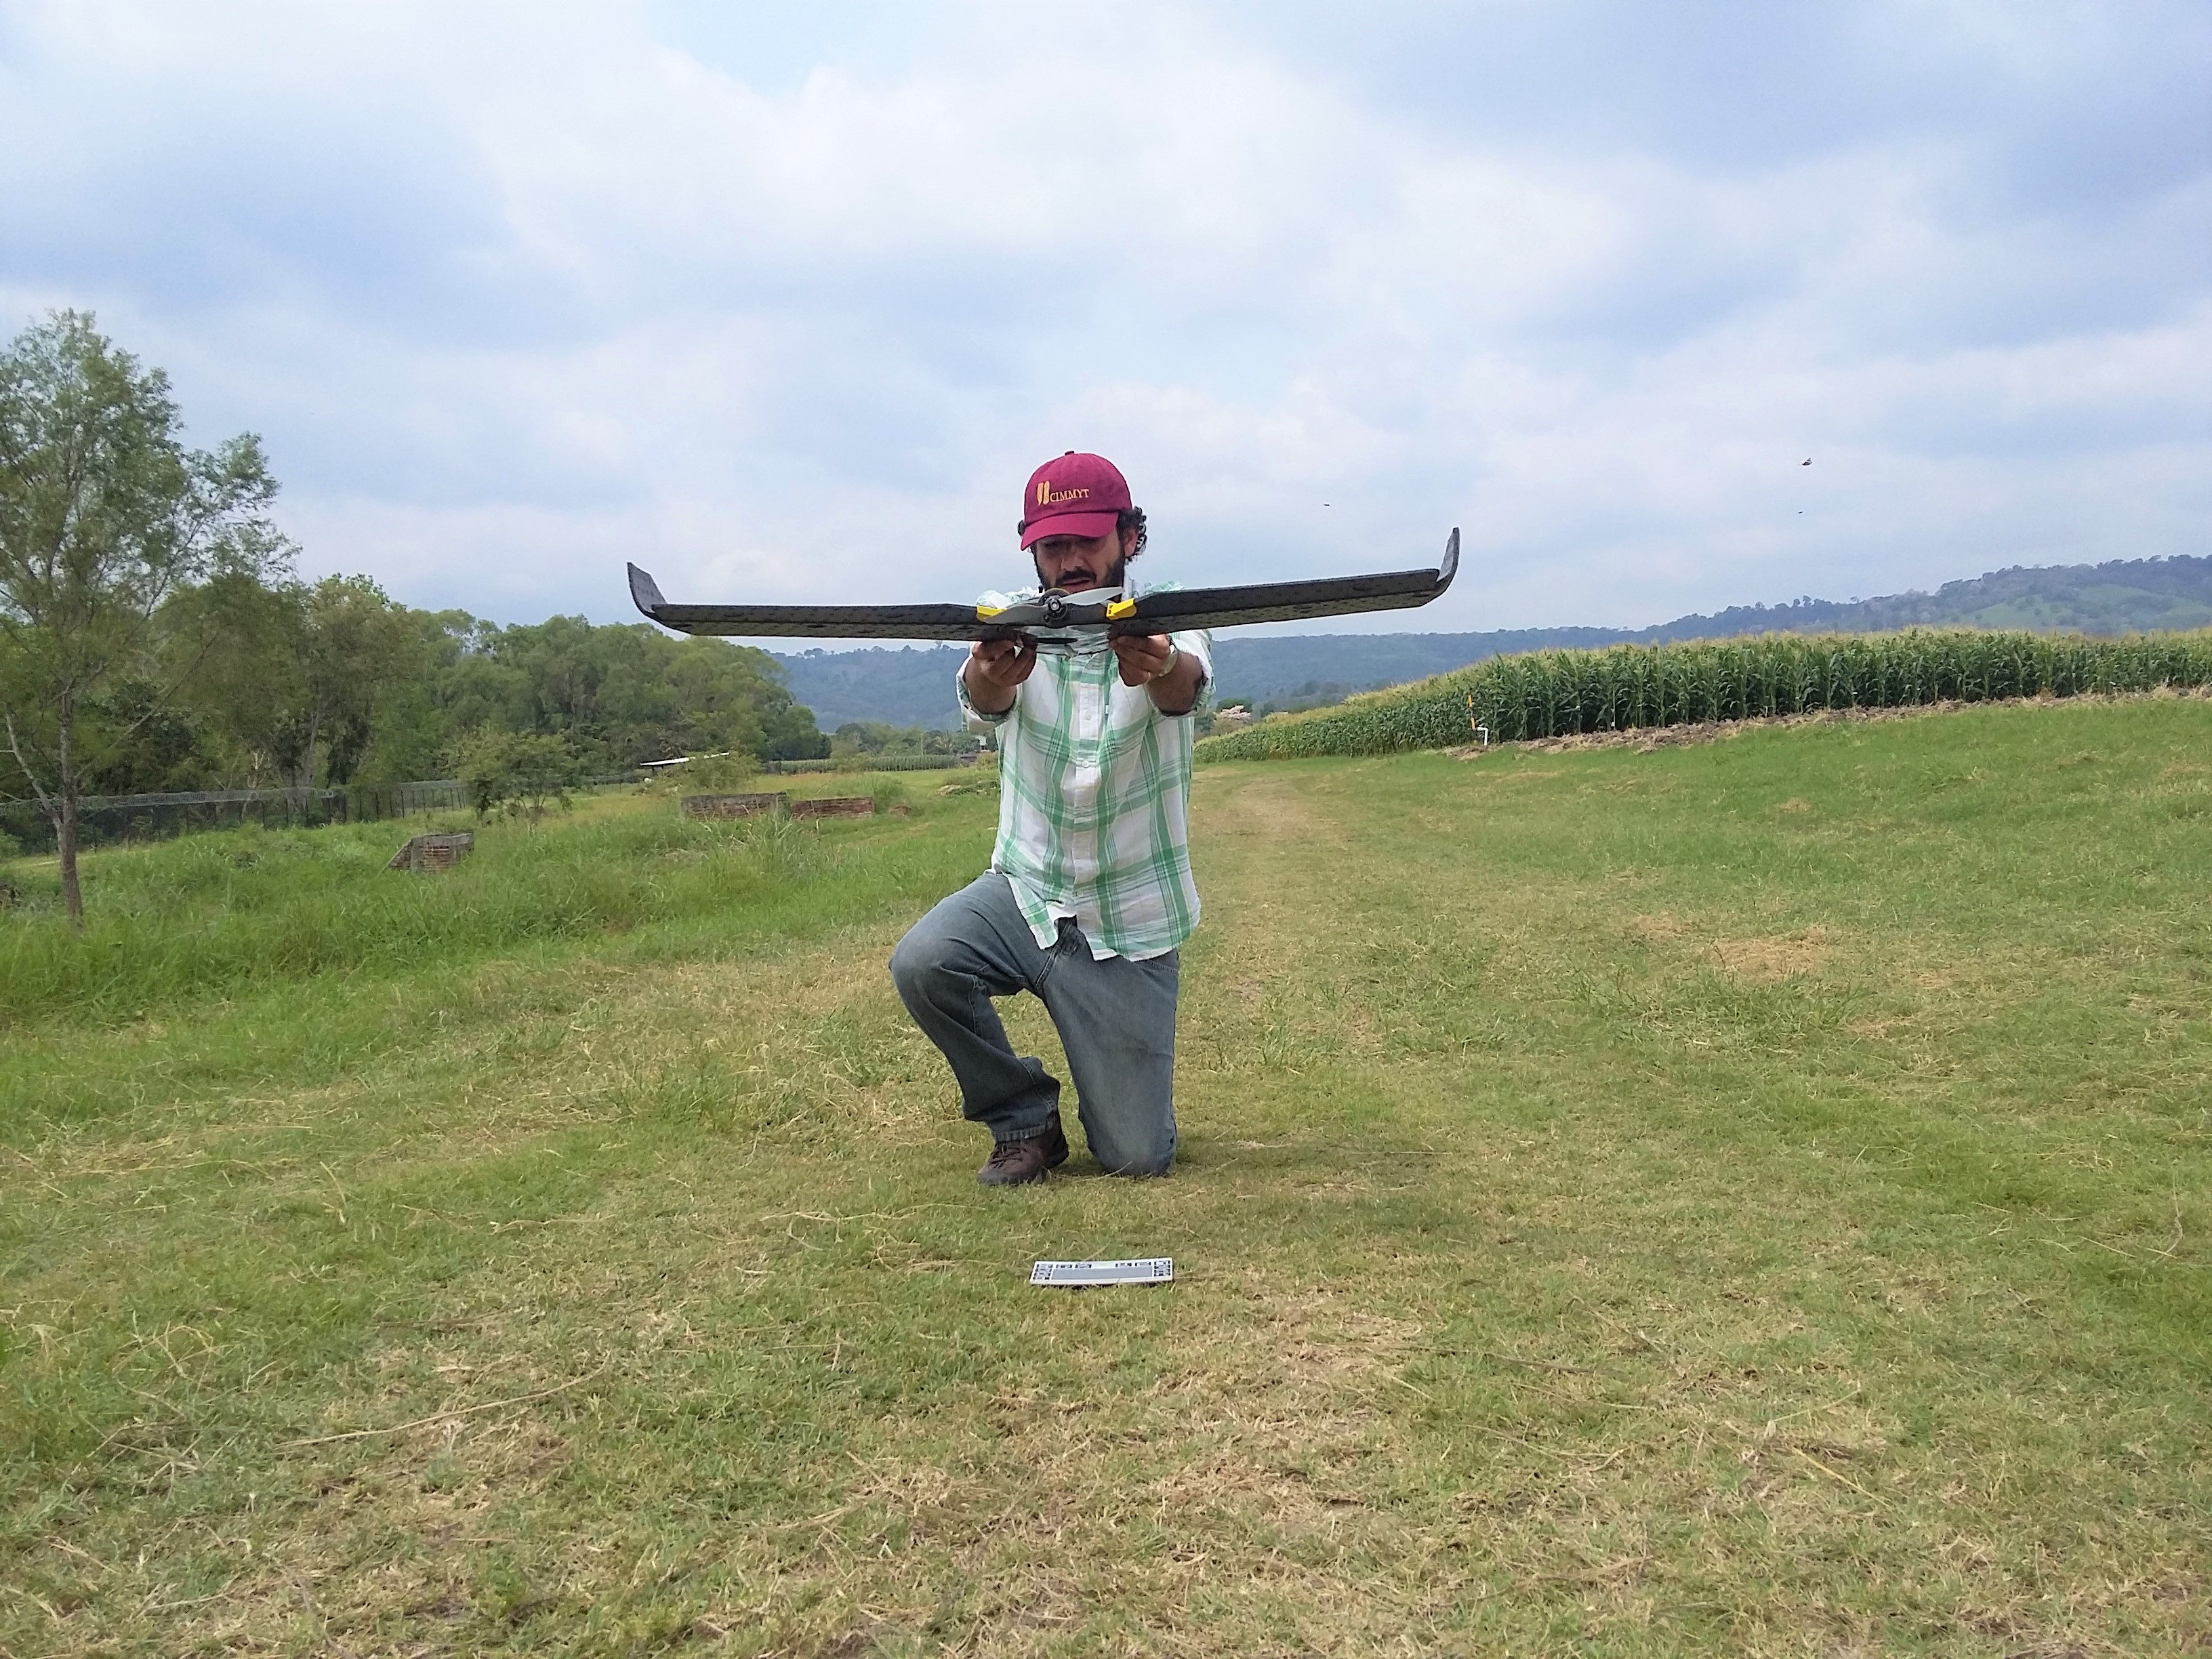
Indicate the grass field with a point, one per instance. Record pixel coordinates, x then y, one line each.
1740 1198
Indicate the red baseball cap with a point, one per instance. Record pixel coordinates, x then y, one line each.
1075 495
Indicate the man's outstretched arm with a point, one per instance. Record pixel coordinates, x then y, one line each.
1171 676
994 672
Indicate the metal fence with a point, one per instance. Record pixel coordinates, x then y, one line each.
146 817
397 800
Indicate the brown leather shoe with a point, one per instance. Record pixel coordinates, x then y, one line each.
1014 1162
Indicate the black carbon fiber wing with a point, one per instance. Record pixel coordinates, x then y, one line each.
822 622
1056 614
1334 596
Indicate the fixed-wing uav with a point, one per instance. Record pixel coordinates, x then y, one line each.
1055 620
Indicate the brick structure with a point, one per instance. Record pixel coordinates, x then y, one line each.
424 853
732 806
835 806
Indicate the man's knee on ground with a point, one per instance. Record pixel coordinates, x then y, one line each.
1148 1156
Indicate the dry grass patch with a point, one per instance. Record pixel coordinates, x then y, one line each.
1777 957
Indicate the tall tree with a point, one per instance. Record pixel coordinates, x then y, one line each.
246 690
355 639
296 683
104 515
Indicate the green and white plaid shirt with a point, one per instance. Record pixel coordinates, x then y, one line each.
1094 786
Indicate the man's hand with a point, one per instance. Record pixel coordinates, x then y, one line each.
1169 677
1145 657
994 669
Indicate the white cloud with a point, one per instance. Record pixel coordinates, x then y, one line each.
517 293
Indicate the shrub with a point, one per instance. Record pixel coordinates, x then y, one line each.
731 774
515 772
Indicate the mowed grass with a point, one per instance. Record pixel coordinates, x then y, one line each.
1748 1198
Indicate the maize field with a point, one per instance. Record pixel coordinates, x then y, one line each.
1552 694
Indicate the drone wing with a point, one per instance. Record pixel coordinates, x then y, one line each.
1152 613
1334 596
822 622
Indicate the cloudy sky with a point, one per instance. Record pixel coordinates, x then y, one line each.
784 302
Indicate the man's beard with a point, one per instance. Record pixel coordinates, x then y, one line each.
1116 575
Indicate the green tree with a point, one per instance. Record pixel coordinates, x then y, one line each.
793 735
878 737
351 639
104 515
243 692
138 739
628 693
303 671
414 715
515 772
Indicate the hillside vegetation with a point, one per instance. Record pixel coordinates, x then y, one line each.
1742 1199
1561 693
893 685
2121 596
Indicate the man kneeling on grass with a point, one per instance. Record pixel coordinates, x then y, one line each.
1089 894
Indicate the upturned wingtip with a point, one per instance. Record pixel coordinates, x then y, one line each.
1450 568
644 592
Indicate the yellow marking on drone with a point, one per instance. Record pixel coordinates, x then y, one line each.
1120 608
985 612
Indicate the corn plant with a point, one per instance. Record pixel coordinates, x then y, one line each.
1551 693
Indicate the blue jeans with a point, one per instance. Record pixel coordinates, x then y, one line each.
1116 1018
